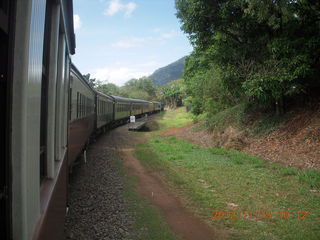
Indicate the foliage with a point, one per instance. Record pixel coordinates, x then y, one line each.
108 88
141 88
250 51
168 73
172 93
91 81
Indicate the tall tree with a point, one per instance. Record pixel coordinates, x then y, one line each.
255 50
91 81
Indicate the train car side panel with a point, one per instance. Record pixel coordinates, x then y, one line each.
82 120
38 170
104 110
26 117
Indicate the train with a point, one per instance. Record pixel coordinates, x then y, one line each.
49 113
92 112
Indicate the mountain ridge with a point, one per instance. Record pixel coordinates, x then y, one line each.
171 72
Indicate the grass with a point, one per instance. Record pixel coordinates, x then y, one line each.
234 116
215 179
174 118
267 124
239 117
148 222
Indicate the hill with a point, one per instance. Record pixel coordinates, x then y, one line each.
168 73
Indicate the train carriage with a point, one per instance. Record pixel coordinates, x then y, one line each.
150 107
137 107
49 112
81 114
122 108
104 110
36 41
156 106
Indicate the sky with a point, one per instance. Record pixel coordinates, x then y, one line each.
117 40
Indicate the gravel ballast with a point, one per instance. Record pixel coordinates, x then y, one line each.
97 208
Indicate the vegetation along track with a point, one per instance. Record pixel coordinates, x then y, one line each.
239 193
173 174
99 208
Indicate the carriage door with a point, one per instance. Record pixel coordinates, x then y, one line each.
5 100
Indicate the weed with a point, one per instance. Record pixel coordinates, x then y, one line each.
287 171
311 177
267 124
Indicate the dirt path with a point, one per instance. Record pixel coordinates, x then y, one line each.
151 185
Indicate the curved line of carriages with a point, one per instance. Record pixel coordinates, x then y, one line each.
50 113
92 112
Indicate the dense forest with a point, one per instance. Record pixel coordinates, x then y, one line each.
250 51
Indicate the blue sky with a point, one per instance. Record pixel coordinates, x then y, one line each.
122 39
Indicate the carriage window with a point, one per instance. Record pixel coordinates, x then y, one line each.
80 105
44 92
85 106
86 103
77 104
88 106
4 5
70 99
102 112
4 10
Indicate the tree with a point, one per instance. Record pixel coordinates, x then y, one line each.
172 93
91 81
251 50
108 88
142 88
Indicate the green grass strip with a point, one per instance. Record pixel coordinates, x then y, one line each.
280 202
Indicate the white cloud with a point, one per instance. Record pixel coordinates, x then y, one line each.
131 42
116 6
150 64
170 34
156 30
134 42
118 75
77 22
